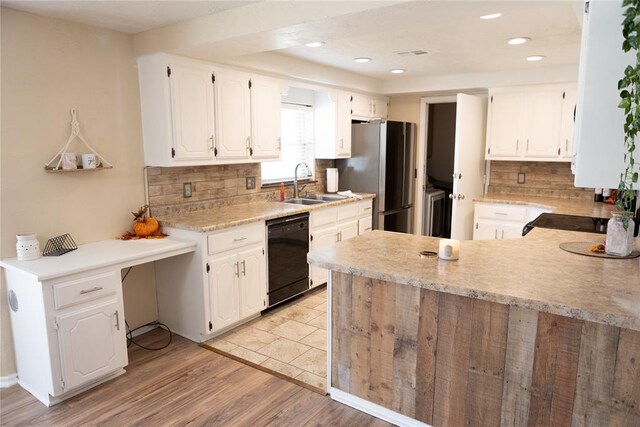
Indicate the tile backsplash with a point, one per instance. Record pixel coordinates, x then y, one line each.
217 185
546 179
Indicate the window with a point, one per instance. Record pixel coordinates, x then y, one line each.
297 145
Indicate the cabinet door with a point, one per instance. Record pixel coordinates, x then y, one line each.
568 120
542 134
265 118
92 342
253 284
485 230
379 108
319 239
361 106
233 115
348 230
343 125
192 113
223 289
504 124
510 231
365 225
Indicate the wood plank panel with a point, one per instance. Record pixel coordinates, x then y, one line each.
360 335
626 386
598 351
341 319
555 368
383 309
405 351
486 363
426 358
521 341
452 360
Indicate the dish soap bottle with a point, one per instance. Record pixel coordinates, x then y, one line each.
282 191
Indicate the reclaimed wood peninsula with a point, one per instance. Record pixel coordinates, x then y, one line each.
515 333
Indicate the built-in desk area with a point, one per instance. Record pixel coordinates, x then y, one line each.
67 314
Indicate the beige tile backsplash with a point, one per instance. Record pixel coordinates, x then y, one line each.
216 186
548 179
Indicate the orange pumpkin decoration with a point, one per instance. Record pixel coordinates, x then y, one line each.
142 225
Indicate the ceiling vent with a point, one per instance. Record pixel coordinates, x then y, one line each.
411 52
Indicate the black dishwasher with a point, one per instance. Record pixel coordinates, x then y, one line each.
287 248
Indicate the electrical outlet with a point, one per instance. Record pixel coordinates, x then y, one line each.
250 182
187 189
521 177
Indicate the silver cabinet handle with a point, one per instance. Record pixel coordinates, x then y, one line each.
367 229
211 139
566 145
517 144
368 208
501 213
527 145
495 236
279 143
244 267
341 142
117 320
239 239
502 234
237 269
374 108
247 143
88 291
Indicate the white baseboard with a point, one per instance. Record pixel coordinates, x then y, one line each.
8 380
143 330
375 410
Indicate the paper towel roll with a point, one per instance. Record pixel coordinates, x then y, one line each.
332 180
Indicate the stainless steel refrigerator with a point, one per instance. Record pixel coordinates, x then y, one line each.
383 162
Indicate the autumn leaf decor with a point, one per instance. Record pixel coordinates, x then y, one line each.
144 227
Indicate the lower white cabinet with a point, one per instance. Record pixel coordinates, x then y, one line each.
221 284
496 221
69 333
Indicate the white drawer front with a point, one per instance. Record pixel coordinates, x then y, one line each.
501 212
235 237
365 207
348 211
364 225
323 216
85 289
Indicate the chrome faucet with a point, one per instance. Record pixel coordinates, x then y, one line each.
296 193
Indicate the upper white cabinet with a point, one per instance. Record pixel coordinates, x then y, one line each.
196 113
530 122
364 107
332 111
599 132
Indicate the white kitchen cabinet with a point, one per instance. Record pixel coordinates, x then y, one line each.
364 107
496 221
223 288
233 115
528 123
266 100
253 282
568 122
599 132
332 111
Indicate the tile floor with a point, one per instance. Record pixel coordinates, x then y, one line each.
290 340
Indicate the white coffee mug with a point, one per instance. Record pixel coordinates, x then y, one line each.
449 249
90 161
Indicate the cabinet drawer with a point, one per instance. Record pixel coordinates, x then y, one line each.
85 289
364 225
365 207
348 211
323 216
235 237
501 212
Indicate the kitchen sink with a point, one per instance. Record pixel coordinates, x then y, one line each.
326 197
305 201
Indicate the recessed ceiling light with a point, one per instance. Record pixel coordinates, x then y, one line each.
518 40
491 16
362 59
534 58
315 44
397 71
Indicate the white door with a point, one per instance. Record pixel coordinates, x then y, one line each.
365 225
468 163
192 113
484 230
223 289
504 127
361 106
233 115
92 342
265 118
348 230
343 124
380 109
511 231
568 121
321 238
542 134
253 285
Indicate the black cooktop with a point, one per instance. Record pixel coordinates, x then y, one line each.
568 222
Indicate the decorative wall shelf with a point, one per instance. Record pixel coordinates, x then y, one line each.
56 163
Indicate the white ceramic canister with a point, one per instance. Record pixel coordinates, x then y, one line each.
27 246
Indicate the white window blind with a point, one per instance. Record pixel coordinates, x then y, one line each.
297 145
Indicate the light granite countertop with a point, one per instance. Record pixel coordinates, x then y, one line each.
532 272
556 205
233 215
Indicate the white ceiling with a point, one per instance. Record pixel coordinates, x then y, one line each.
450 31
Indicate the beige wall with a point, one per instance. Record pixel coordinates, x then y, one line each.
405 109
48 67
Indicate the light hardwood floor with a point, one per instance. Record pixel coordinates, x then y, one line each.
184 384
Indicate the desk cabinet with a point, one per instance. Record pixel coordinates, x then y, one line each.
497 221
